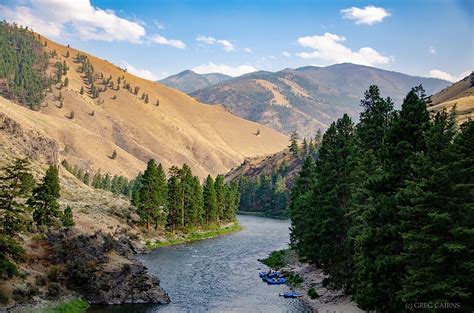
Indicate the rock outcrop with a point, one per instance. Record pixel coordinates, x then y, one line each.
103 270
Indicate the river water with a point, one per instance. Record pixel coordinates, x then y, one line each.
220 274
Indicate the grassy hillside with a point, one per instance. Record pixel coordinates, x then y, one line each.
189 81
172 127
310 97
459 95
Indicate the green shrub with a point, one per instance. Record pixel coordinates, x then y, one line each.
294 279
312 293
276 259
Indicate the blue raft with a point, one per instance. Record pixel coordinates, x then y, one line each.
276 281
291 294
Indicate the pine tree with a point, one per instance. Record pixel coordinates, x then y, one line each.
67 218
300 206
220 196
153 195
44 199
294 144
82 90
210 201
16 183
305 148
175 202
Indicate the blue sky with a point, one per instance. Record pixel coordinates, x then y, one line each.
158 38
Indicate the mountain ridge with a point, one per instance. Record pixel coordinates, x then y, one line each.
172 128
307 98
188 81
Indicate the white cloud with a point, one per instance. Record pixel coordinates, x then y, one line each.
158 39
248 50
143 73
330 49
272 57
73 18
224 69
446 76
159 25
368 15
286 54
226 45
433 50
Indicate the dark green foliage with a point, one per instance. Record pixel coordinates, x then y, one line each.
68 218
16 183
210 201
312 293
276 259
294 149
44 200
387 210
152 206
23 66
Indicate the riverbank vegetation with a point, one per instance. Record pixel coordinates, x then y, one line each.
76 305
174 239
386 208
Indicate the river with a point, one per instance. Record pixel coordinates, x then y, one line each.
219 274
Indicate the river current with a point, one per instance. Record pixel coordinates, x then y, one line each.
219 274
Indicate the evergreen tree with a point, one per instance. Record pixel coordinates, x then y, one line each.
175 202
294 144
67 218
44 199
220 196
153 195
210 201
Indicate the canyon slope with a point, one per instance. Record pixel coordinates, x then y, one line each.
169 126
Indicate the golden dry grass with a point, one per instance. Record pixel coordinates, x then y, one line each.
179 130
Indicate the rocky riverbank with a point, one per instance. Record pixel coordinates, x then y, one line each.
309 280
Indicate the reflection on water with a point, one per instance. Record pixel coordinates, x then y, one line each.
219 274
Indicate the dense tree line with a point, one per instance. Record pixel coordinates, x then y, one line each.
23 65
180 202
387 207
26 206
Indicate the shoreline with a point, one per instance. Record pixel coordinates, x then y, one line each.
327 300
261 214
181 238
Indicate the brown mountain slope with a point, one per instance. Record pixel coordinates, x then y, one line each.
460 94
179 130
308 98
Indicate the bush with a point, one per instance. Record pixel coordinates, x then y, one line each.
54 273
294 279
276 259
312 293
54 290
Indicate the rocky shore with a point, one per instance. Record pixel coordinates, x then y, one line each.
324 300
104 270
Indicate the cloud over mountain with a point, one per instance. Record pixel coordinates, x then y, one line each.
329 48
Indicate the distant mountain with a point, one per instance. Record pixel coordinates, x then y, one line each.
308 98
189 81
460 94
